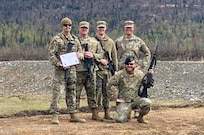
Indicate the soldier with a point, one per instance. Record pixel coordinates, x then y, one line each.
58 46
103 74
128 81
86 71
129 44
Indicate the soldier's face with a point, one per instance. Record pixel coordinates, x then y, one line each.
101 30
129 30
83 30
67 28
130 67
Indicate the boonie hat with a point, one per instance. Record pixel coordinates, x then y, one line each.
84 24
101 24
65 20
129 23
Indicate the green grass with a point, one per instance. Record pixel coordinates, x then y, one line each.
10 104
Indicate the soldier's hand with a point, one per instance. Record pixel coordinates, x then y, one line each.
88 54
66 67
59 64
120 100
78 54
151 71
104 62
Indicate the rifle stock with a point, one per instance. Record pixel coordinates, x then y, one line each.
88 62
111 65
66 73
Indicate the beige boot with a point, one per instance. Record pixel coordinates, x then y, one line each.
74 118
95 115
140 119
130 116
55 119
107 113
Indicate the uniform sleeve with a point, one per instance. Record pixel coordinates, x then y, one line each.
112 84
79 49
98 55
147 54
53 49
114 56
120 64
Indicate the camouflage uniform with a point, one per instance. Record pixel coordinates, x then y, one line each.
103 74
127 89
131 47
57 47
64 78
83 80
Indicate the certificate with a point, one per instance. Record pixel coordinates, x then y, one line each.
69 59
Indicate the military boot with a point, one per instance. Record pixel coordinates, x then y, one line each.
140 119
95 115
55 119
130 116
74 118
107 113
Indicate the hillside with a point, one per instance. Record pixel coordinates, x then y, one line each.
115 12
174 25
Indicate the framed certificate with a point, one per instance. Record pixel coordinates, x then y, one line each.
69 59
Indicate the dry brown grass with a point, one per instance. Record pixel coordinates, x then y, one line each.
164 121
165 118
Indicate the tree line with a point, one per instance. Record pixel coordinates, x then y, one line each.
175 25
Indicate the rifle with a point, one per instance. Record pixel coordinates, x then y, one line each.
66 73
111 65
148 80
88 61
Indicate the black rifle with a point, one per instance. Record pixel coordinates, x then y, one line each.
111 65
66 73
148 80
88 62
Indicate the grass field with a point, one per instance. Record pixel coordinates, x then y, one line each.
165 118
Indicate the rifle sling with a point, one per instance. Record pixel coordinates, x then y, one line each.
102 47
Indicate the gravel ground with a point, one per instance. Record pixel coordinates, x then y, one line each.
174 80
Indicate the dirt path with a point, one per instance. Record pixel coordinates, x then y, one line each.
177 121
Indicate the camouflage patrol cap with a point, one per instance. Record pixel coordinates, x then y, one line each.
129 23
65 20
84 24
101 24
129 59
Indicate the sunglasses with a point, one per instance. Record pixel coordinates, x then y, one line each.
130 64
67 25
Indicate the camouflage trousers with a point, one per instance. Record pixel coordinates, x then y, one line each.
143 105
101 92
59 86
90 87
123 110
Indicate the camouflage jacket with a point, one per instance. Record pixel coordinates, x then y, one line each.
126 85
59 45
131 46
95 48
109 46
